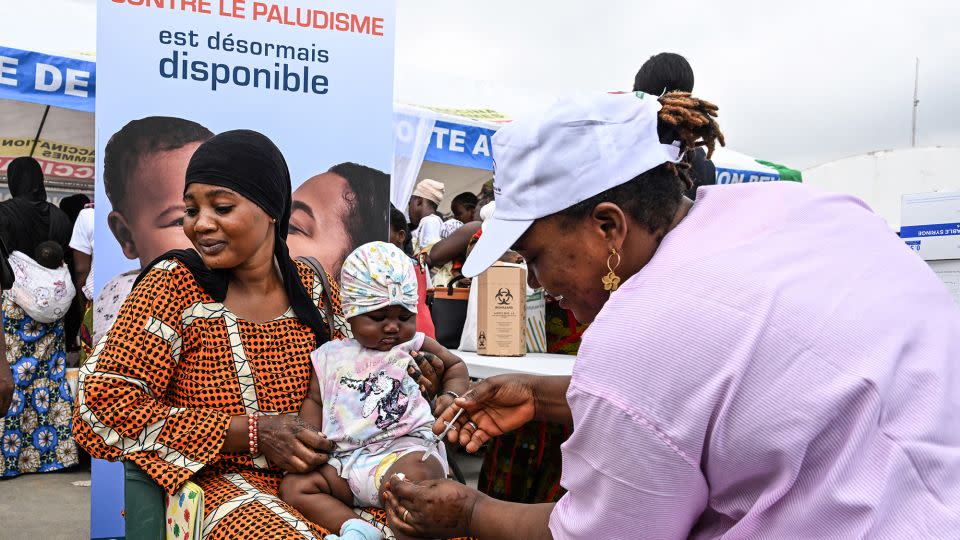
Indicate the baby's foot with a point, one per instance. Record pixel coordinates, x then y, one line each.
356 529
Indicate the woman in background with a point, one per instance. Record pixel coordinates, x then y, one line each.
36 430
27 219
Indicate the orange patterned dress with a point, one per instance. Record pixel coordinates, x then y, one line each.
160 389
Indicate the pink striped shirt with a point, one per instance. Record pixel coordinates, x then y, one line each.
783 368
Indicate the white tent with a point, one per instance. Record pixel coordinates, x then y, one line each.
882 178
448 145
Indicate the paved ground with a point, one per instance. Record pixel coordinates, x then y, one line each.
50 507
46 506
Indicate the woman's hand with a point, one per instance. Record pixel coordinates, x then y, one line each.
429 509
292 445
495 406
428 373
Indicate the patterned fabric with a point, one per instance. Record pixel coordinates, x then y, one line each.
45 294
563 331
35 433
185 513
368 397
162 385
108 302
86 334
523 466
450 226
377 275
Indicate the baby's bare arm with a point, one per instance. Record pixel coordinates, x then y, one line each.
455 376
312 409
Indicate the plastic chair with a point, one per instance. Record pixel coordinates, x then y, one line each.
144 508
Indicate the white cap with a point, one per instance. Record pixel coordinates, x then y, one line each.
486 213
577 148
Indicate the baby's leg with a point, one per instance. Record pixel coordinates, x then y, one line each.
321 496
414 470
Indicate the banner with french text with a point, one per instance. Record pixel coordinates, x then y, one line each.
316 77
46 79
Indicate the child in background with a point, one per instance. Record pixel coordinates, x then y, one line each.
367 404
49 254
464 207
42 285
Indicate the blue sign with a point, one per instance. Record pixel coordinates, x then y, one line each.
461 145
735 176
47 80
927 231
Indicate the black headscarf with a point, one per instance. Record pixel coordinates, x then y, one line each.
250 164
27 220
25 179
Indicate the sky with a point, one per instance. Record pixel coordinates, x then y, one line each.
800 83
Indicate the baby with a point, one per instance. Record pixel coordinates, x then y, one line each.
365 401
49 254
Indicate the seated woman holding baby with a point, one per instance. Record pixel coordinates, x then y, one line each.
205 374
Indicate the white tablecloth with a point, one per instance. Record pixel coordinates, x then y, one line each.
482 367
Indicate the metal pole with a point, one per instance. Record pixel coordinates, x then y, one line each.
39 130
916 101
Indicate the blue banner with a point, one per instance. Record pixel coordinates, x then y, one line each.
461 145
47 80
927 231
734 176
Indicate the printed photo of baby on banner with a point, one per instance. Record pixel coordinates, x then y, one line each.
284 105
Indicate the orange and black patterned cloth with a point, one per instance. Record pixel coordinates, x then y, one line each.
161 387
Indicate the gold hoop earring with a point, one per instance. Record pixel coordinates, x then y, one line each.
611 281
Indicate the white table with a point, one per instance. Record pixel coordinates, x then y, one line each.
481 367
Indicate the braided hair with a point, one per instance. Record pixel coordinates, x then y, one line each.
653 197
